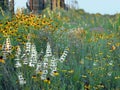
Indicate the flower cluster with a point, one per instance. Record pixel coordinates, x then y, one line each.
6 47
17 59
49 63
44 66
30 54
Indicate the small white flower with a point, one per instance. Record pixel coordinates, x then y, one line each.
16 59
31 64
45 65
53 68
21 79
45 71
109 73
95 64
39 65
25 60
62 58
28 48
54 64
111 63
18 64
43 77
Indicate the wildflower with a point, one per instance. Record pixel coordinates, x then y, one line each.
82 61
18 64
95 64
101 86
100 53
109 73
43 77
84 76
45 59
18 50
117 77
28 46
87 86
109 43
62 58
25 60
34 76
117 44
45 71
40 72
17 59
38 67
54 73
111 63
113 47
2 60
47 80
45 65
33 56
48 50
6 48
0 46
44 74
71 71
64 70
22 81
53 65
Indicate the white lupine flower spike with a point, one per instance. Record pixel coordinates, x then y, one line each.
28 48
33 56
17 59
48 50
63 57
6 47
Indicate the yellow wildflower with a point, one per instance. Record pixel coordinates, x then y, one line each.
56 73
113 47
117 44
40 72
84 76
34 76
47 80
71 71
0 46
64 70
2 60
100 86
87 87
